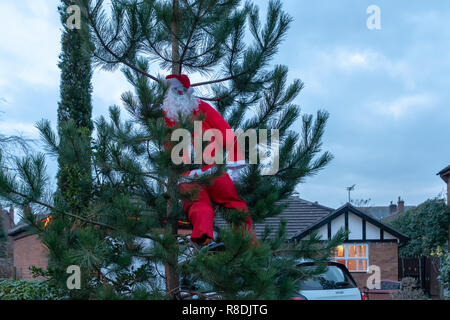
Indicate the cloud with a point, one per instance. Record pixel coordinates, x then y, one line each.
30 45
342 61
19 128
347 59
404 106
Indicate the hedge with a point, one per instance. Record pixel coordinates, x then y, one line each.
28 290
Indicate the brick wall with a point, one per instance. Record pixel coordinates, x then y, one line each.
29 251
384 255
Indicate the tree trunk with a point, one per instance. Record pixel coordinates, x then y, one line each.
176 66
172 278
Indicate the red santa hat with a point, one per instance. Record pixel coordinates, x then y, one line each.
184 79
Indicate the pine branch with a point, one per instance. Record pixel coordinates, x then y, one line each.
52 208
192 31
232 77
119 59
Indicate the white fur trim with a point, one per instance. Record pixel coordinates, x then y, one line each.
174 82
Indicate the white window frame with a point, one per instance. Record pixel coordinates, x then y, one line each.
346 257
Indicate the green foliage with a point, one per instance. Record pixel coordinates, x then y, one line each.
72 148
116 211
409 290
266 271
28 290
76 73
426 226
444 272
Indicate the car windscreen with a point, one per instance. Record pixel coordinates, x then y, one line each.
333 278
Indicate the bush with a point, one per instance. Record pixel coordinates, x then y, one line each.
409 291
28 290
444 276
426 226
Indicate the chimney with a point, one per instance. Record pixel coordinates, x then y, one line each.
401 205
392 208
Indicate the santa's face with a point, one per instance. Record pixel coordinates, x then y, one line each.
179 101
179 90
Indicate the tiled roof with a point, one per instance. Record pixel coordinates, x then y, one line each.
299 215
382 212
350 208
445 174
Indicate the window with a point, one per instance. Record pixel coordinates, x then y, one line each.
354 256
334 278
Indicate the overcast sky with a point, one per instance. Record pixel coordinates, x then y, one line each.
387 90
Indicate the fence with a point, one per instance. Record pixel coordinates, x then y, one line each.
7 270
425 270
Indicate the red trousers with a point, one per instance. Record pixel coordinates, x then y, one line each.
200 212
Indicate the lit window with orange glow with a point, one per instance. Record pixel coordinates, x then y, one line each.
340 251
354 256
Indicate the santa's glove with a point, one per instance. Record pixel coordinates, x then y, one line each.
235 174
193 174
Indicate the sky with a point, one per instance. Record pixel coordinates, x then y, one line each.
386 90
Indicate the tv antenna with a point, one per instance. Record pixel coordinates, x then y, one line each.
350 189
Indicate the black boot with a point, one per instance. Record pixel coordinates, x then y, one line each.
206 243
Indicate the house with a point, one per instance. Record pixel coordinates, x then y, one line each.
370 242
299 215
386 213
445 175
28 250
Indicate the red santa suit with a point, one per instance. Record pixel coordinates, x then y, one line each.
222 190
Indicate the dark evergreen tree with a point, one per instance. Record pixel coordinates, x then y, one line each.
76 71
75 106
73 152
127 226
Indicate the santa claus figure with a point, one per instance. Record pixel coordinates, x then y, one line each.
180 102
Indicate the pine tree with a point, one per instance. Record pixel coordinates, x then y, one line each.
9 147
74 178
128 227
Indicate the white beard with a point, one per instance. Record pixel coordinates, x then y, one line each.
175 105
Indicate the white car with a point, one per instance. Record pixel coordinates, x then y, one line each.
335 284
